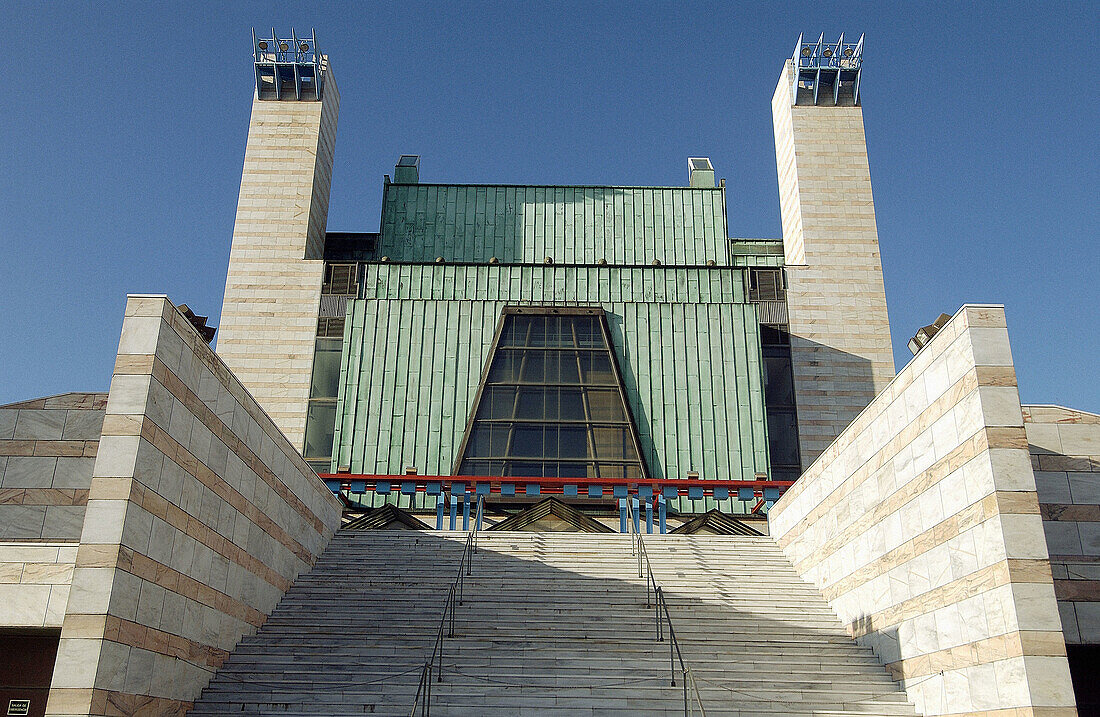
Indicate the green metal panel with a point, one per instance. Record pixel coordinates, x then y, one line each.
688 345
757 252
572 225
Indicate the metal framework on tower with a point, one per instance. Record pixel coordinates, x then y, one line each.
832 67
288 66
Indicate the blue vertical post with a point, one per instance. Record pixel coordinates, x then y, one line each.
622 514
477 516
454 509
637 516
661 513
439 500
466 511
649 516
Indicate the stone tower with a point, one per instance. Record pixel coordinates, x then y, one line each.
273 288
840 332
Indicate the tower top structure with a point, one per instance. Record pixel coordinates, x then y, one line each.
288 68
834 68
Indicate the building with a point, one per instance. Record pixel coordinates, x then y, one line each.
556 358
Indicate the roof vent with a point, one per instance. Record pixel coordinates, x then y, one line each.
925 333
407 170
199 322
700 172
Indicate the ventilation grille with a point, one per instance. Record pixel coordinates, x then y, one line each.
771 312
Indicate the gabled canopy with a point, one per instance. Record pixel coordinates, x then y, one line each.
387 517
715 522
551 516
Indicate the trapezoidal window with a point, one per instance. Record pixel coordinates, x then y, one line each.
551 403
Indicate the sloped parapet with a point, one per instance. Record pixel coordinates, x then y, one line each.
200 516
920 525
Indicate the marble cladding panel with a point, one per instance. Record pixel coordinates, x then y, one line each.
921 525
47 449
200 516
1065 452
840 332
273 286
34 582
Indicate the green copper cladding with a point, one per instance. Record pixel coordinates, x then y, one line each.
688 346
571 225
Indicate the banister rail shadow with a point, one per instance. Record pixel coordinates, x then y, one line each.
433 667
662 620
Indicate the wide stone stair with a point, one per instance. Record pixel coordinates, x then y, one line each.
551 623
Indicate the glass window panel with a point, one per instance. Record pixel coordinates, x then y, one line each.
479 441
556 333
532 404
605 405
567 470
587 331
536 331
571 405
779 384
522 468
572 442
542 422
534 367
609 470
326 368
320 428
782 438
527 441
505 368
497 402
611 443
568 370
474 468
598 369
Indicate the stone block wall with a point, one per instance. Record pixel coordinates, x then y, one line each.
840 331
200 516
272 296
34 583
1065 454
47 448
921 526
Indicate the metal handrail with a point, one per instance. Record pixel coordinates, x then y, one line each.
660 609
423 698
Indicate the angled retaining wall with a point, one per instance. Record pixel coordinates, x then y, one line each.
920 524
200 515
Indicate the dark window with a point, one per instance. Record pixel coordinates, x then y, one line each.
341 279
766 285
320 427
779 401
551 404
326 368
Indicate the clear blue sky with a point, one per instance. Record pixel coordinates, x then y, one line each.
123 134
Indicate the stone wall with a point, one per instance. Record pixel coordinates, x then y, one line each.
921 526
273 287
840 332
47 448
34 583
200 516
1065 454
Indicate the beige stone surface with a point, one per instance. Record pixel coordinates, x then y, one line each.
922 527
34 582
200 515
840 331
1065 452
273 287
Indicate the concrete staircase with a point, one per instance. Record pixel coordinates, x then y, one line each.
552 623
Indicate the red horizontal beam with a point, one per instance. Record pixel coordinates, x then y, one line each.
555 484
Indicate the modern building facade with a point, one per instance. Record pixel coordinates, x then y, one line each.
555 355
